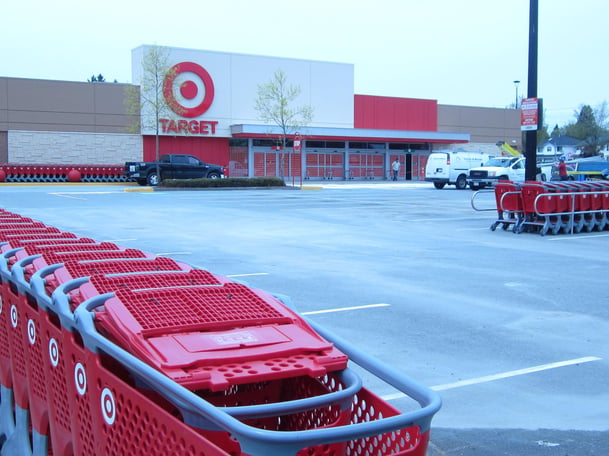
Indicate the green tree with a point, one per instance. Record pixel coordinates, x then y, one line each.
602 116
98 78
590 128
542 135
555 131
274 105
147 101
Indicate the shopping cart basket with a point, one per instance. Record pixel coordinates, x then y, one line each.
374 427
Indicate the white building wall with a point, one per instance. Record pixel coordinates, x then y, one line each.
73 148
327 87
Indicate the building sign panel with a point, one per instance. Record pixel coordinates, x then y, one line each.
207 92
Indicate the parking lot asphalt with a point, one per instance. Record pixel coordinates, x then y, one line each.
510 329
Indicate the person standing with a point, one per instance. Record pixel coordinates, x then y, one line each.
395 166
562 170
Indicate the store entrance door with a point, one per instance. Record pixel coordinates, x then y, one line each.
324 165
415 165
408 167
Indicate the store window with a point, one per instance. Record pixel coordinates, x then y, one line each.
271 142
376 146
406 147
237 142
325 144
264 143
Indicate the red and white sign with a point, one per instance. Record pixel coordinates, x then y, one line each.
529 114
212 86
297 142
189 92
194 86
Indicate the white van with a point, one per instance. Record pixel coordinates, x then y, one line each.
452 167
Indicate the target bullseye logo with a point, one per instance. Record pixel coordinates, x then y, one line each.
188 89
80 379
31 331
53 352
14 316
108 406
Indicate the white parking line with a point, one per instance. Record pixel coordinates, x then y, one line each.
343 309
83 193
491 378
446 219
473 229
248 275
68 196
589 236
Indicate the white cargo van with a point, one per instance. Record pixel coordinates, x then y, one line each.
452 167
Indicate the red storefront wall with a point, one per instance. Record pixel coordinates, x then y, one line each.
370 112
388 113
210 150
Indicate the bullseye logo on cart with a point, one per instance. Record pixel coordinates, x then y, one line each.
188 90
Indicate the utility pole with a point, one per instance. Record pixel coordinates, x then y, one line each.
531 136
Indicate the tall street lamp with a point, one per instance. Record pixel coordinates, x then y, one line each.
516 83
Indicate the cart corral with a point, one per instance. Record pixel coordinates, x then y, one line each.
566 207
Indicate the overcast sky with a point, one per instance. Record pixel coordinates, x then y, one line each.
465 52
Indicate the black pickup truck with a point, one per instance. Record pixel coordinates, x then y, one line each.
171 166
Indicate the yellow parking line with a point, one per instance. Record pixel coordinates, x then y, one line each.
311 187
139 189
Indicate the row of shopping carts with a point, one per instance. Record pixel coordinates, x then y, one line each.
15 172
552 207
106 350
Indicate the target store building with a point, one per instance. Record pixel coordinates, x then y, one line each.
210 98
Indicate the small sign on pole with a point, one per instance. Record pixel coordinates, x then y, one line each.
529 114
297 142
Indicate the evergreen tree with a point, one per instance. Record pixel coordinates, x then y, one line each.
587 129
555 131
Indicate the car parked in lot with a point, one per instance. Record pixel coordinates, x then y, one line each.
584 169
496 169
505 168
171 166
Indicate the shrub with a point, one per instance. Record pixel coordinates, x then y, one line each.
230 182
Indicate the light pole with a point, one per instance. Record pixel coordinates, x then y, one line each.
516 83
